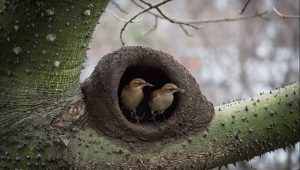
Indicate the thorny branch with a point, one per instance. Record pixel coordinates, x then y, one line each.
285 16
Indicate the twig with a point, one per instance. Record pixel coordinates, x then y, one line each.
146 3
284 16
161 15
119 7
156 18
245 6
260 15
257 14
185 31
138 14
140 6
121 19
152 28
168 18
175 21
164 16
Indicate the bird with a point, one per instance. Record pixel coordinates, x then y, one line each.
132 95
161 99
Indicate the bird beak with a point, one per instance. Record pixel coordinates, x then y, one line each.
180 90
148 84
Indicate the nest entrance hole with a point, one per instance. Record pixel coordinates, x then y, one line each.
151 75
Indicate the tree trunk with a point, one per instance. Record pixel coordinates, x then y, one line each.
43 44
42 48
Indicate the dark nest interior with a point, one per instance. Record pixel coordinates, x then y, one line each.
151 75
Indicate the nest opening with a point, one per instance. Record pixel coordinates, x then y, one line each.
151 75
189 112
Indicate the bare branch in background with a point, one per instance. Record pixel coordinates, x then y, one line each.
156 6
159 17
152 28
119 7
245 6
121 19
176 21
185 31
168 18
255 15
140 6
138 14
285 16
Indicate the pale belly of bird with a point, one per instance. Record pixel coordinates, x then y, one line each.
161 103
132 99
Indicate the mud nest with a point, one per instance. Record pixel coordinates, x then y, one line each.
190 111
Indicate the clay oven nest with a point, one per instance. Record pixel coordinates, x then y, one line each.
189 112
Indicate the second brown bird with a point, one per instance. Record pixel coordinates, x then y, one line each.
161 99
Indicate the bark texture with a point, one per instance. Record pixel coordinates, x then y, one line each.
42 47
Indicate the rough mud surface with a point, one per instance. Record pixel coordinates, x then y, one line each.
190 111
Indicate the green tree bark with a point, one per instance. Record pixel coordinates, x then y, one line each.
42 48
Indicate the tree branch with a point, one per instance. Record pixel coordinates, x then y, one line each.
255 15
150 6
245 6
138 14
159 17
171 20
150 12
181 24
239 131
283 15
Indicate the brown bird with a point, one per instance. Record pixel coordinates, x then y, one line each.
162 99
132 95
